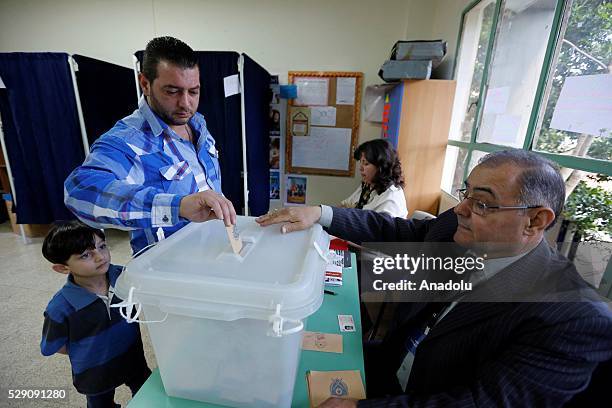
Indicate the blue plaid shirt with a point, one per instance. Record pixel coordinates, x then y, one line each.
136 174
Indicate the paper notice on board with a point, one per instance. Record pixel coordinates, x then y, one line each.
345 91
311 91
299 121
325 148
2 86
323 116
296 190
231 85
585 105
497 100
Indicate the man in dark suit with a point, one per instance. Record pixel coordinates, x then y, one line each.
484 353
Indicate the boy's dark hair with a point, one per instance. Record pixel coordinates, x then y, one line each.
68 238
167 49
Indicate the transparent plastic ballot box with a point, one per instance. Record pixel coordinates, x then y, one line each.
227 328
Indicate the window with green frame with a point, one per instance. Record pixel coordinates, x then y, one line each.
518 64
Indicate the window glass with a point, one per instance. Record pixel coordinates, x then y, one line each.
470 68
589 203
518 56
454 166
476 156
585 230
576 114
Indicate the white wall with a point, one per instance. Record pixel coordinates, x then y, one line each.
108 30
281 35
445 25
420 17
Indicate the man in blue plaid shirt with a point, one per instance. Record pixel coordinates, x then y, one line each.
158 168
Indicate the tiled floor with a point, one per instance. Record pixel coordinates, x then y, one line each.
27 283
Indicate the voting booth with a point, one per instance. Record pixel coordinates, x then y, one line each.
227 328
47 127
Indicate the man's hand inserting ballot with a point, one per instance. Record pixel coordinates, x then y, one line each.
234 238
293 219
207 205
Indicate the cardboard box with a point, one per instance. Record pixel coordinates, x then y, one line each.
420 50
30 230
398 70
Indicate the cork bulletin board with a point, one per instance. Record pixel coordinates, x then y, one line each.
323 122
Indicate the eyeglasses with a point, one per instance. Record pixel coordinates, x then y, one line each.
480 208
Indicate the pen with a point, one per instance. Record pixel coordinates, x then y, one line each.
329 292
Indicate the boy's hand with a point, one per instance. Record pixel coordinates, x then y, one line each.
63 350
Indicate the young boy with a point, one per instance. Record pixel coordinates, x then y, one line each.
104 350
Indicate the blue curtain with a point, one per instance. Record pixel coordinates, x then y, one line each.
223 118
44 140
107 92
257 108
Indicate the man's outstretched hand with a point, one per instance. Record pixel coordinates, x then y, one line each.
207 205
293 219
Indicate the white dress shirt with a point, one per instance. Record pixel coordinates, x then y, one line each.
392 201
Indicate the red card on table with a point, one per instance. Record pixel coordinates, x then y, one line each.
339 244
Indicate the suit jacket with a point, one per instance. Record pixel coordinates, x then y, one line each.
490 354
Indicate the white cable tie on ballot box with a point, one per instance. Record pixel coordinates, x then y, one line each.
330 256
278 322
126 310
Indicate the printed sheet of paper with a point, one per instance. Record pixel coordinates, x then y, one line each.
323 116
311 91
340 384
231 85
234 238
299 121
275 185
296 190
345 91
325 342
585 105
325 148
497 100
2 86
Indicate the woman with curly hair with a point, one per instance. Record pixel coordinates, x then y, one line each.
381 180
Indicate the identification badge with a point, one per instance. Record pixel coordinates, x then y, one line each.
403 373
